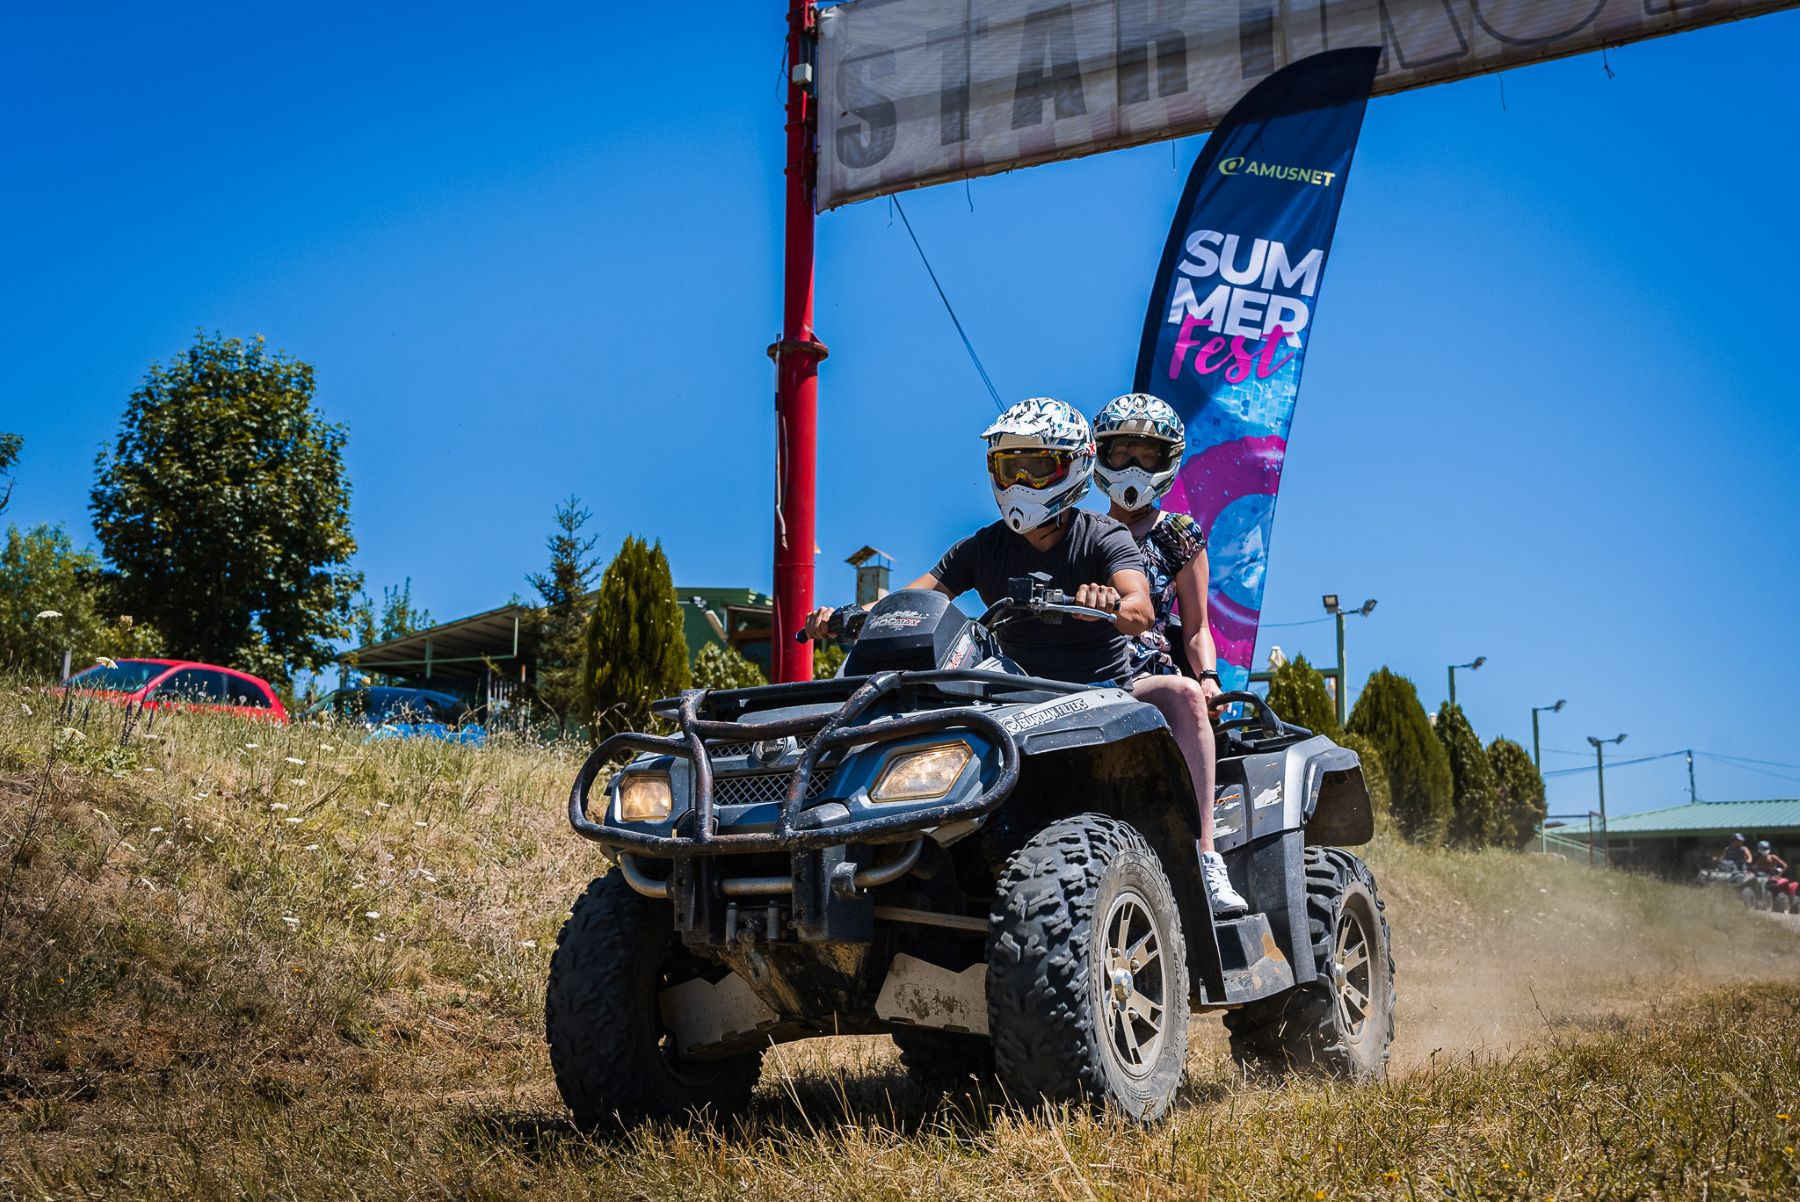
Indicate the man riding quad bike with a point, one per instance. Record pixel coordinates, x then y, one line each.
996 867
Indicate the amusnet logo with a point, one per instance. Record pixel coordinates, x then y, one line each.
1239 165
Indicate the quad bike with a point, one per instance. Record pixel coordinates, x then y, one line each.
998 870
1784 894
1750 888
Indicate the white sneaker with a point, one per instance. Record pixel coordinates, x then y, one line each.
1226 901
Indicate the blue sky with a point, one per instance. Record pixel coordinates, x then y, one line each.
1544 417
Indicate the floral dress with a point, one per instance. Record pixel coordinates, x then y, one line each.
1169 546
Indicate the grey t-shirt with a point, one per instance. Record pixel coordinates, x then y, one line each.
1092 550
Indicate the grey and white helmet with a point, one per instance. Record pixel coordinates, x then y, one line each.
1040 459
1138 415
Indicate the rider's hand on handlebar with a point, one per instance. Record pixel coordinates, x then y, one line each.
1097 596
818 623
1210 689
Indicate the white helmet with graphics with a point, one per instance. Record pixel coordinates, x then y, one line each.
1140 440
1040 458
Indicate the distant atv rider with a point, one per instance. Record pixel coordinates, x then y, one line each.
1040 459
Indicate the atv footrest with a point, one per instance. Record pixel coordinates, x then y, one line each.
1254 966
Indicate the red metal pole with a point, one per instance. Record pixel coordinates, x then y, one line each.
797 358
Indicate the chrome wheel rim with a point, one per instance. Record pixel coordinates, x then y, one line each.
1134 986
1352 972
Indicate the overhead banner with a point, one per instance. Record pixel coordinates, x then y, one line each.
915 92
1233 308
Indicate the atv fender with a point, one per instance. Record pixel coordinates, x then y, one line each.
1325 795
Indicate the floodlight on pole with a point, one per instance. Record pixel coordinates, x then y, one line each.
1472 665
1599 746
1537 756
1342 672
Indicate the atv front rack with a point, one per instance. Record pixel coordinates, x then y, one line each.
823 733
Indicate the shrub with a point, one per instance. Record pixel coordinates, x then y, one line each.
1474 817
1297 692
718 667
1519 790
1389 715
635 649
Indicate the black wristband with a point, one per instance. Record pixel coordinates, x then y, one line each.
1211 675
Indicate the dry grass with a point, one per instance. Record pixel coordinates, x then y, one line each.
196 1002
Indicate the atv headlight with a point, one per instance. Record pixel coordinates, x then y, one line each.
645 797
927 772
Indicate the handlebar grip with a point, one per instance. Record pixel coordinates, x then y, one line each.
800 636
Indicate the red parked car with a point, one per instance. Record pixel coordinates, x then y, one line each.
181 684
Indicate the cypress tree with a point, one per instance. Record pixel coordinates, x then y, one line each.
1519 788
635 649
1475 818
1297 692
1389 715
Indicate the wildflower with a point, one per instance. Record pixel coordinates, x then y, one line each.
419 823
26 708
293 759
155 830
290 920
527 943
49 613
326 747
1784 1117
278 805
310 847
293 820
382 805
381 939
371 913
69 732
251 746
106 661
297 781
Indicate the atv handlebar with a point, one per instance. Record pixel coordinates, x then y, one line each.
841 627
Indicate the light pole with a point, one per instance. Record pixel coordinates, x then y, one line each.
1599 746
1471 666
1337 611
1536 757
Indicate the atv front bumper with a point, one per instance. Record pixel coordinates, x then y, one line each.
801 824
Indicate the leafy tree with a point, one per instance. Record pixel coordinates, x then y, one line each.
1389 715
635 649
1475 813
398 616
224 513
10 445
1519 787
718 667
1374 776
559 625
1297 692
50 602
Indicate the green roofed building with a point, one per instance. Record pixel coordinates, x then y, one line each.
485 656
1677 841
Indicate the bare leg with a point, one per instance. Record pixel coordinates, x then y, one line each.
1183 707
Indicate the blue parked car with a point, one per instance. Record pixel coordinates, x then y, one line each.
395 713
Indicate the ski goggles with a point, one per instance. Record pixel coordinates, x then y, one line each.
1125 450
1033 469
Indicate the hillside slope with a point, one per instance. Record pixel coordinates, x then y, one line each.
249 961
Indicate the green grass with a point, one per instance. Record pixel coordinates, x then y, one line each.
196 1002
